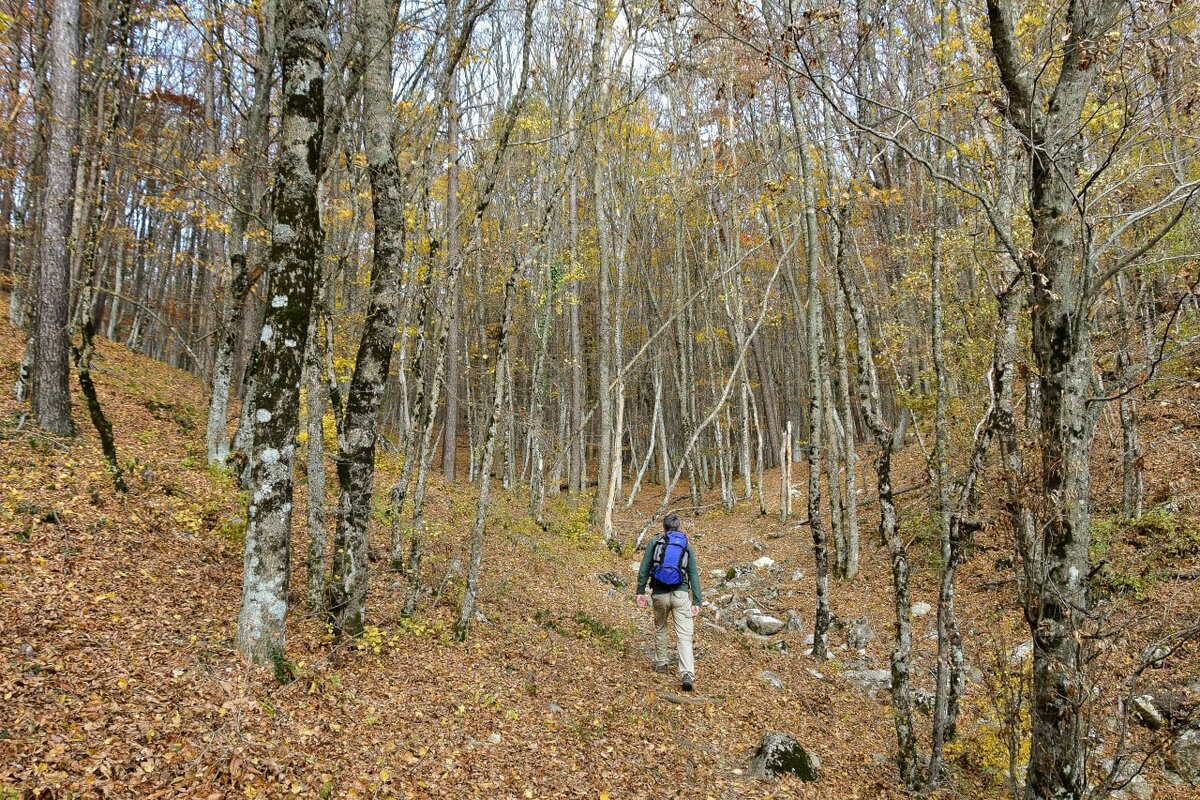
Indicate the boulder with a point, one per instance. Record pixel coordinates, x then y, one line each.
859 633
1146 711
870 679
1183 759
1128 780
780 754
764 625
766 676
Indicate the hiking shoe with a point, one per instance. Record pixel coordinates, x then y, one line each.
662 669
686 681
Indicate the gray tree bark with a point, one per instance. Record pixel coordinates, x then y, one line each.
296 245
216 436
357 438
51 369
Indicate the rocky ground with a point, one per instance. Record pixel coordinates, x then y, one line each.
118 676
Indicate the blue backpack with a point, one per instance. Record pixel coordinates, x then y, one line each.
670 560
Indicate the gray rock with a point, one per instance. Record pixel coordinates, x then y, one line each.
1129 780
1138 787
973 674
1183 759
1146 711
613 579
1018 655
794 623
763 563
494 738
555 708
770 594
798 575
764 625
921 609
809 640
870 679
780 754
766 676
859 633
1156 656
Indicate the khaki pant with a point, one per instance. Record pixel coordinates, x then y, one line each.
678 606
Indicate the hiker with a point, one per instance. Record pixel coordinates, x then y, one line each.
670 566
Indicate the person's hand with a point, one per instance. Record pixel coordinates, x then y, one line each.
695 611
643 601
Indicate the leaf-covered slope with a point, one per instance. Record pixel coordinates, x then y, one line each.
118 675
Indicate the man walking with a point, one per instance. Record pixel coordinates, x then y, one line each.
669 565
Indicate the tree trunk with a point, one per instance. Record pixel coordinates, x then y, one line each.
51 393
356 440
296 245
217 430
489 446
315 468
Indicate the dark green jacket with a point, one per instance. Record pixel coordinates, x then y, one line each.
692 581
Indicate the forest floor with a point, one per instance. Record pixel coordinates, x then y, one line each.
118 676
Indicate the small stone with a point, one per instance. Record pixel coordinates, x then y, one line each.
780 754
1147 712
1156 656
815 673
763 563
554 708
613 579
494 738
794 623
764 625
766 676
808 640
920 609
770 594
798 575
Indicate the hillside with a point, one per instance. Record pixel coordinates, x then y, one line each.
119 678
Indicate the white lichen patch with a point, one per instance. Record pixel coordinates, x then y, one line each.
270 455
279 301
289 342
262 415
268 333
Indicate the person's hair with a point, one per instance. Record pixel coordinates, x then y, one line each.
671 523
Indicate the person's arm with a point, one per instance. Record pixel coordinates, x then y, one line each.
644 569
693 576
